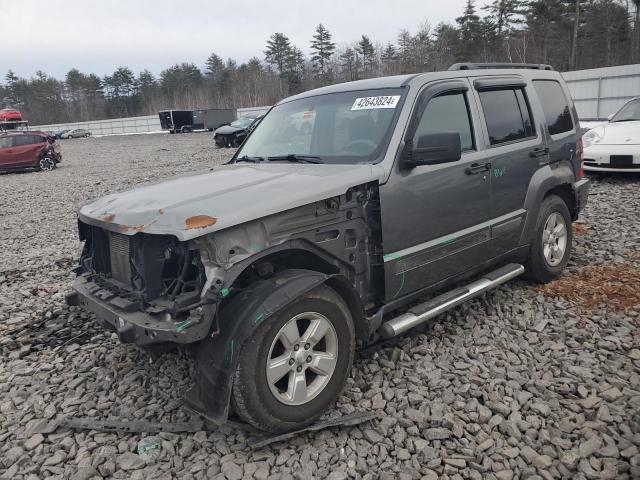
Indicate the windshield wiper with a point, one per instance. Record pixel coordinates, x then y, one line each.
292 157
249 159
626 120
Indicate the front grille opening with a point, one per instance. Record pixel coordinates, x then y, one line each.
142 267
182 273
120 257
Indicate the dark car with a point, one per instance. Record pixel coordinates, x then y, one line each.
403 198
59 134
26 150
76 133
233 135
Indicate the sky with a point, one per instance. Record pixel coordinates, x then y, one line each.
99 36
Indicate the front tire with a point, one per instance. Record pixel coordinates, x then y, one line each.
46 164
296 363
552 241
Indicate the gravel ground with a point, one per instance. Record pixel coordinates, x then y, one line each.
515 384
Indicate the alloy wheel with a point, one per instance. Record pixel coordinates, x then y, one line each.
302 358
47 164
554 239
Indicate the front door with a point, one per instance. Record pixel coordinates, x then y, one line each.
435 218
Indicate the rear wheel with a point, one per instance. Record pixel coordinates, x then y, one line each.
296 363
552 241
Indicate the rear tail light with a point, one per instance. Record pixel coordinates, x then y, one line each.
580 158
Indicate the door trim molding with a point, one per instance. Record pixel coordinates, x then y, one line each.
440 247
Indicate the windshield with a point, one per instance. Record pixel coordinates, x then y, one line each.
346 127
629 112
242 122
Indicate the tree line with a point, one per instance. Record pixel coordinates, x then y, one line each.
568 34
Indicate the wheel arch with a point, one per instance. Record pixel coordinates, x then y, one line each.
237 320
548 180
298 254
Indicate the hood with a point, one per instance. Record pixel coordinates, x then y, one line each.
228 129
618 133
189 207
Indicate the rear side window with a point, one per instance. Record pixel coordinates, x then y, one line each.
22 140
507 114
445 114
554 105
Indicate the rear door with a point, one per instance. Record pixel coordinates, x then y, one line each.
27 149
516 149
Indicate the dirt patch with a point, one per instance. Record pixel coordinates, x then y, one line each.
615 285
579 229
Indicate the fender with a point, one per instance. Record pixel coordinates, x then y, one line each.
544 180
218 354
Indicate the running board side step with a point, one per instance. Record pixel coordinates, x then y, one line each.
440 304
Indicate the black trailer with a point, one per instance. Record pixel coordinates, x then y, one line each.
14 125
212 118
176 121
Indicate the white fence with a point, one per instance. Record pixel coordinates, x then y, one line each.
119 126
599 92
114 126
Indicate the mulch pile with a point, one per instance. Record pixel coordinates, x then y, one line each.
616 285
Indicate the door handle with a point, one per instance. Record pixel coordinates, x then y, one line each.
476 168
539 152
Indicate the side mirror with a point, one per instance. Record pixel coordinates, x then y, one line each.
435 148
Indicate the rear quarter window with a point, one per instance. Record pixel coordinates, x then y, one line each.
554 105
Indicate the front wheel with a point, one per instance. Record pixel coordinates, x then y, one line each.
296 363
46 164
552 241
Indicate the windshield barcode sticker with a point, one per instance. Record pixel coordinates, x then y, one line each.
368 103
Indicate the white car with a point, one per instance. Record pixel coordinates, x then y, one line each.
615 146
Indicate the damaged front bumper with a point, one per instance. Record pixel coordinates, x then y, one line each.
139 327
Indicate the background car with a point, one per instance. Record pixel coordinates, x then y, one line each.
615 145
60 133
25 150
10 115
77 133
233 135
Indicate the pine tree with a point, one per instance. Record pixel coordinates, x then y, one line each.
405 51
214 66
278 52
349 64
506 14
322 49
470 29
367 51
389 58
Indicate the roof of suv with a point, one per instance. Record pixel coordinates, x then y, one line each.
9 133
397 81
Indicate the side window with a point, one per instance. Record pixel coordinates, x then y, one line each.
507 115
22 140
554 105
444 114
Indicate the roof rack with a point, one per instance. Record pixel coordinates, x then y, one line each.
478 66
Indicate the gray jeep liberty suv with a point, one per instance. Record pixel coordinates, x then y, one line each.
435 186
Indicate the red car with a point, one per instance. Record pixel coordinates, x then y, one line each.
20 150
10 115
